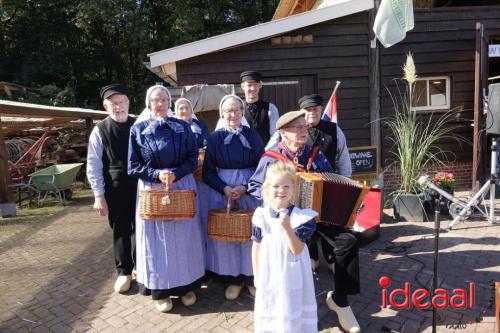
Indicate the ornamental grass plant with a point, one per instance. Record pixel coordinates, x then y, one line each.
415 136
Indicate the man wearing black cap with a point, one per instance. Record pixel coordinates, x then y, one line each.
326 135
114 191
340 248
261 115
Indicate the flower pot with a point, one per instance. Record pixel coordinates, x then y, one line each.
410 207
445 203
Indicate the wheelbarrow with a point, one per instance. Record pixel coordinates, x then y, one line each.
56 179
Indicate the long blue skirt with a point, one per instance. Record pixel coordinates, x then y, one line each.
230 258
169 253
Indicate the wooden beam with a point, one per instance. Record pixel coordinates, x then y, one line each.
5 193
88 127
480 83
374 95
35 110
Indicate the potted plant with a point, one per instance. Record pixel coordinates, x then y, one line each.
414 138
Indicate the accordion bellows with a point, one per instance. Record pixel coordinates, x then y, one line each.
336 198
182 205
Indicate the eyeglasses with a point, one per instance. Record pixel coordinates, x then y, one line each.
118 104
233 111
298 128
156 101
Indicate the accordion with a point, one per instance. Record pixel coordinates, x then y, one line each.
336 198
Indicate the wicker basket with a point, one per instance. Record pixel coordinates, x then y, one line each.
231 225
152 205
198 173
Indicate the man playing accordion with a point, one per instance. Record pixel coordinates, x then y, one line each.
293 129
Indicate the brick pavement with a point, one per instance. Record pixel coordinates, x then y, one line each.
56 276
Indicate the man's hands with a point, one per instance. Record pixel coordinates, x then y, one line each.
234 193
101 206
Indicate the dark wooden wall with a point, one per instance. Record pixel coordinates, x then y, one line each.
339 52
443 44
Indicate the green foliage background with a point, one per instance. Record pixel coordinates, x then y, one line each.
79 46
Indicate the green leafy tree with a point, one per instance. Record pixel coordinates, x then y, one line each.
87 44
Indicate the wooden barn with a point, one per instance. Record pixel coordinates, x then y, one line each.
309 51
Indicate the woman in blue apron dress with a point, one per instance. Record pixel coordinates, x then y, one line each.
232 154
169 253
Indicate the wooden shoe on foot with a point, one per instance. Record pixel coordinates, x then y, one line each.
252 290
122 283
346 317
189 299
164 305
233 291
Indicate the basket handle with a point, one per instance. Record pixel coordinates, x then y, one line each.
166 199
228 206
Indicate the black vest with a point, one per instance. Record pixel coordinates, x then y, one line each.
324 135
257 115
115 138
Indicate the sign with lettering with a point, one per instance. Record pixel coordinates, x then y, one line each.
494 50
364 160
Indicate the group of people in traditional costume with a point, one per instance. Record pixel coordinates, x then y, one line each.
161 148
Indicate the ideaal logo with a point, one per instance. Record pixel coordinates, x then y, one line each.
422 299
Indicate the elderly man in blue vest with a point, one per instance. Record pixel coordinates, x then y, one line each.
114 191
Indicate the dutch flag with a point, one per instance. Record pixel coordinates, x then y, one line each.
330 111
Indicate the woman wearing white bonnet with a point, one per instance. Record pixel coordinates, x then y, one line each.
146 113
163 152
232 154
184 111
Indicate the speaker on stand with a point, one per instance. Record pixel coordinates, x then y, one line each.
493 110
493 121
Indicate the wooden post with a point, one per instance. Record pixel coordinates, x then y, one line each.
7 206
88 127
497 305
374 82
480 83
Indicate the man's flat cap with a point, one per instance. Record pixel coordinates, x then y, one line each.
251 76
310 100
112 89
288 117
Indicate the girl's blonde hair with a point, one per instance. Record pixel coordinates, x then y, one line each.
281 168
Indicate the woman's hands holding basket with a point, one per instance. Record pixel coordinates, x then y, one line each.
234 193
167 177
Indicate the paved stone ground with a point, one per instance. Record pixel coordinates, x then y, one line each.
56 275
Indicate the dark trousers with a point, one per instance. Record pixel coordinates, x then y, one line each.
121 205
344 253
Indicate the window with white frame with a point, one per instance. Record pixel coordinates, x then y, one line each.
431 93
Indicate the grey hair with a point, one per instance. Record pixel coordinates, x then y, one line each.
153 88
180 100
226 97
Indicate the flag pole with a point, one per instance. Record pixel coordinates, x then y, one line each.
337 84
